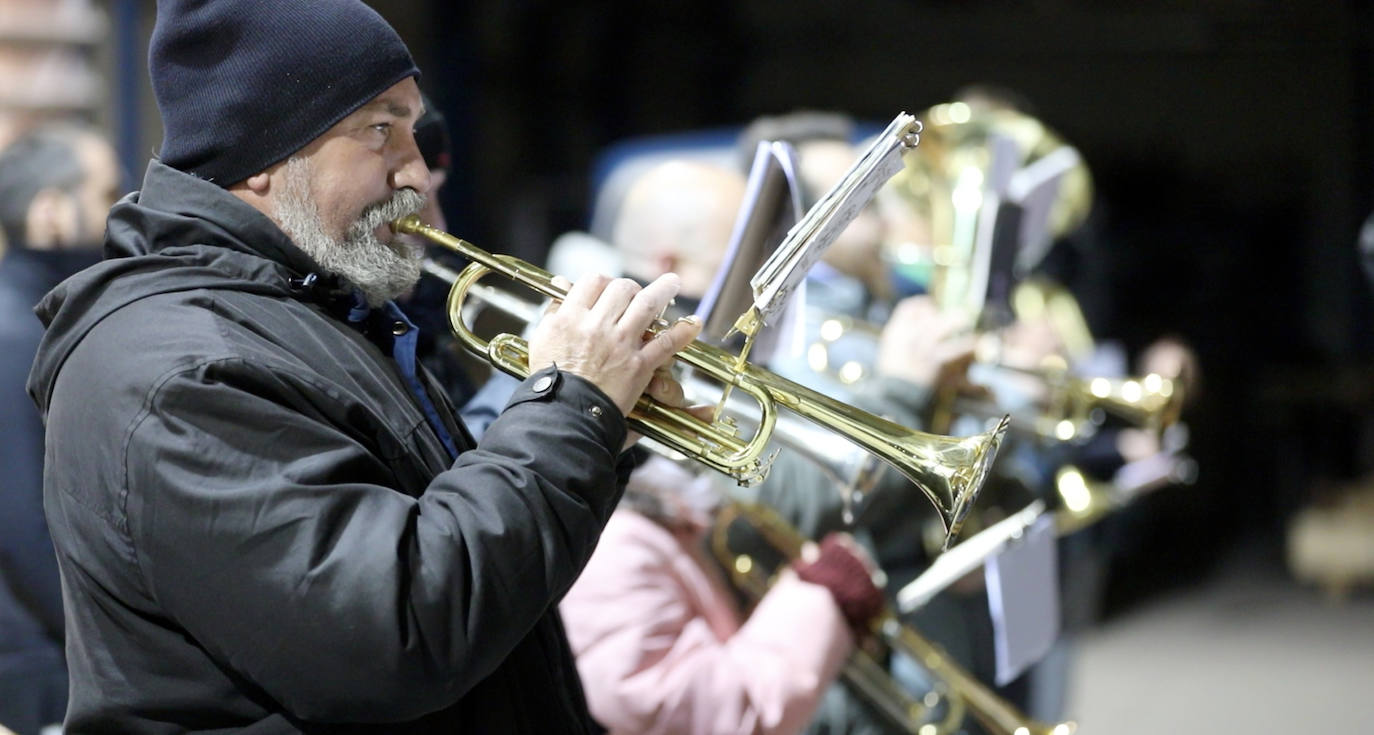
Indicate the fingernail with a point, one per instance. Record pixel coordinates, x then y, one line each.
690 319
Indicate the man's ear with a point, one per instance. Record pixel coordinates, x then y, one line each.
258 183
52 221
254 191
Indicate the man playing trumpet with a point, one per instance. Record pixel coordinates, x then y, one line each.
266 517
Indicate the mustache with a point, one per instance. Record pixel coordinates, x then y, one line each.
402 203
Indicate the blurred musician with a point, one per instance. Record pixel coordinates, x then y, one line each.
661 643
918 354
905 376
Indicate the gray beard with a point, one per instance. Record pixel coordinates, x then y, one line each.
382 271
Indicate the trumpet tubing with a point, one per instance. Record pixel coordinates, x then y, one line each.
1150 401
996 714
949 470
484 295
846 465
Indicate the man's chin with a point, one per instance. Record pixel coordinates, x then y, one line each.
377 293
407 247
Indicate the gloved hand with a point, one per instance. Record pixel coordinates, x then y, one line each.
843 567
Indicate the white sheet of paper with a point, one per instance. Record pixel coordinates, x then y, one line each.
1023 597
772 204
818 228
967 556
1036 189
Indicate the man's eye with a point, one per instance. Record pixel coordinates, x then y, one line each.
383 128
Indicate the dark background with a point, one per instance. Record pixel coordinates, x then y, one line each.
1231 143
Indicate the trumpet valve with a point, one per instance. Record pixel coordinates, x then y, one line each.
755 471
766 463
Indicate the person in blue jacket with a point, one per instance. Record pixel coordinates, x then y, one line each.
56 183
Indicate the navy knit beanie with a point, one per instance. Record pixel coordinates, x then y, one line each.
243 84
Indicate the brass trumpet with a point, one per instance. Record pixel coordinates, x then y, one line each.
960 691
1071 407
949 470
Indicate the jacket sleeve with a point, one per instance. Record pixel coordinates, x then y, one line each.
275 539
639 620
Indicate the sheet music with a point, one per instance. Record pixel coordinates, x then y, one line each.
772 205
1036 189
967 556
808 239
1023 598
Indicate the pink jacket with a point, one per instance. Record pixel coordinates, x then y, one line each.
662 649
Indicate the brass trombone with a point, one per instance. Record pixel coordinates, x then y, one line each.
949 470
863 671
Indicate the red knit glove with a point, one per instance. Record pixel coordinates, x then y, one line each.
842 567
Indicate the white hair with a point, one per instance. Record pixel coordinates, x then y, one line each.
682 208
381 270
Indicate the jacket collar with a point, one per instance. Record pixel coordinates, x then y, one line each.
176 192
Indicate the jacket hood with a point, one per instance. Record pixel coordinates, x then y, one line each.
178 233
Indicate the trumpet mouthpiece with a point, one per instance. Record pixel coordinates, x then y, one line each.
407 225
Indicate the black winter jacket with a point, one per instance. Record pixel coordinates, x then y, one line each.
257 528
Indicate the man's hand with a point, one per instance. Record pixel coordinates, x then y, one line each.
598 332
1176 360
926 347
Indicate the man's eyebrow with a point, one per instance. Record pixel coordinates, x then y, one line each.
392 107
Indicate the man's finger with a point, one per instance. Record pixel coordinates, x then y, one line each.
649 303
670 341
705 411
562 284
585 292
665 390
614 299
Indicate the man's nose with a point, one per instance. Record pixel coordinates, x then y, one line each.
411 172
